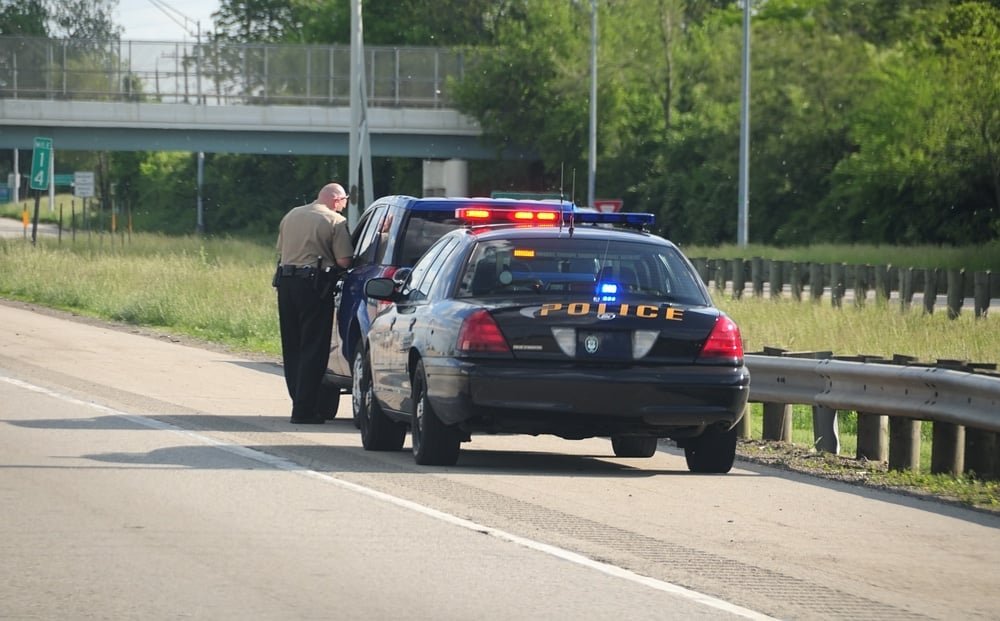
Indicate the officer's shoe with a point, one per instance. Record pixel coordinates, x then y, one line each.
298 419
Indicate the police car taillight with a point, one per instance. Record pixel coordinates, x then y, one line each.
481 334
724 344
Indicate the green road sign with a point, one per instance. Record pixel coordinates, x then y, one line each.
62 179
41 159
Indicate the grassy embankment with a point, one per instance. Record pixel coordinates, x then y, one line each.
219 290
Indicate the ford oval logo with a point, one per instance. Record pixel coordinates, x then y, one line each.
606 316
591 344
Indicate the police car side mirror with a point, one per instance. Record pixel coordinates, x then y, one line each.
382 289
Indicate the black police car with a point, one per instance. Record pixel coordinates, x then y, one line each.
393 232
567 329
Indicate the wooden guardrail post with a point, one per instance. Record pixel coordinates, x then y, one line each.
904 443
930 289
739 277
826 427
777 416
774 281
795 280
860 284
719 274
836 284
873 437
757 276
981 293
947 448
816 281
777 422
744 427
956 292
982 453
905 288
882 287
904 433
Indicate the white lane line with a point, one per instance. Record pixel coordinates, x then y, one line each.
282 463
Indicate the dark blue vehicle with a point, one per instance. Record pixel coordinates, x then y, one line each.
573 330
392 233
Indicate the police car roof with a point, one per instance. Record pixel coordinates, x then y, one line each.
450 203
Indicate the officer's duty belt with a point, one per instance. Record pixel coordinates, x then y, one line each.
296 271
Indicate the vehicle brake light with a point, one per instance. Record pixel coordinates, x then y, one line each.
724 343
480 333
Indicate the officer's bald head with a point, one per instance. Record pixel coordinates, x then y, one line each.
330 196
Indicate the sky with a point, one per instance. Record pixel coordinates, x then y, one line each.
143 21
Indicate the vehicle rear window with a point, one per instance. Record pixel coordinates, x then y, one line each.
562 266
423 228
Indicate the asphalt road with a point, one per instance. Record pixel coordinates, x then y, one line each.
144 478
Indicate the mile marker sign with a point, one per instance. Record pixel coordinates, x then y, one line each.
41 159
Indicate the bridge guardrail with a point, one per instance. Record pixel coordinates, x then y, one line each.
891 400
222 73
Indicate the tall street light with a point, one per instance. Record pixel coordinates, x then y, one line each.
743 221
592 162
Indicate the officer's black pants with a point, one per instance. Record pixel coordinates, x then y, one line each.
306 323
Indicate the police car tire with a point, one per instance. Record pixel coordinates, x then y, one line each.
329 400
434 443
378 431
634 446
711 453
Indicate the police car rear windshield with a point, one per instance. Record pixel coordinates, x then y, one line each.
606 270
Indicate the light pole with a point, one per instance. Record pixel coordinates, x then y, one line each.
592 161
184 22
743 221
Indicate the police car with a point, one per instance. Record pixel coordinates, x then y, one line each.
551 325
393 232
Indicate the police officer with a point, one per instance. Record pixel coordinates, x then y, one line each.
314 247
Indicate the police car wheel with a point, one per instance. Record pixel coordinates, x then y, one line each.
712 452
378 431
633 446
434 443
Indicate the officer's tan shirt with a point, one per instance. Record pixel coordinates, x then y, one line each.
312 231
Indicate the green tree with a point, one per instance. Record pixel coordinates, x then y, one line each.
926 165
23 17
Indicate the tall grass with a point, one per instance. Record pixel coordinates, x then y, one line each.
873 330
213 289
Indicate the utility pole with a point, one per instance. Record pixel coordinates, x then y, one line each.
185 22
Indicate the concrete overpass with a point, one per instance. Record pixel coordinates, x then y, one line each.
231 98
289 130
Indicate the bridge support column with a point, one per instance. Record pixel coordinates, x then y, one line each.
446 177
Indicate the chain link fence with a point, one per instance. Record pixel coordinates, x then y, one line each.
214 73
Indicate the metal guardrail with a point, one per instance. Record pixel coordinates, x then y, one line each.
923 393
965 405
214 73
